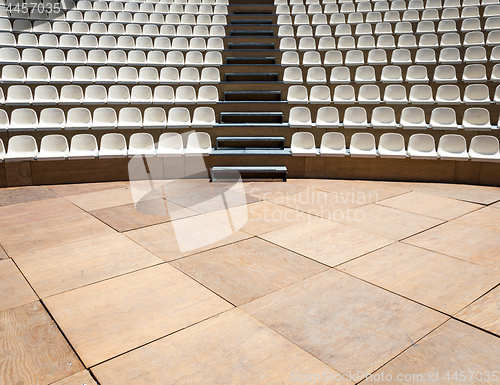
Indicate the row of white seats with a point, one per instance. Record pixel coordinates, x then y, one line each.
442 118
113 145
433 4
136 57
386 27
115 29
124 43
476 94
79 118
20 95
108 75
483 148
383 7
472 73
71 4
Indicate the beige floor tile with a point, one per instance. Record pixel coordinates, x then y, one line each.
347 323
485 312
232 348
29 237
328 242
247 270
453 349
388 222
12 196
107 198
263 217
274 190
133 309
3 254
32 349
476 194
131 216
430 205
441 282
480 246
82 188
185 237
14 288
81 378
487 218
496 205
314 183
30 212
75 264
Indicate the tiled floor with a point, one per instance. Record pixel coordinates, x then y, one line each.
310 281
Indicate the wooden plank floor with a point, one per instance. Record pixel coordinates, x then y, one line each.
308 281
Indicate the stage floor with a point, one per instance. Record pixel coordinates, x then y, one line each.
191 282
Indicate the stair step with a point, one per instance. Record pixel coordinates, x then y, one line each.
251 77
233 172
251 60
250 22
251 33
250 142
252 96
252 117
257 11
257 46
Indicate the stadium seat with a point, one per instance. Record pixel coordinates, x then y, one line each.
476 119
83 146
452 147
302 144
383 118
327 117
443 118
198 143
53 147
333 144
170 144
300 117
392 145
113 145
355 118
413 118
422 146
362 145
141 143
21 148
484 148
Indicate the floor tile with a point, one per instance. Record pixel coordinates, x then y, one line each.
232 348
485 312
487 218
82 188
81 378
3 254
30 212
328 242
186 236
29 237
263 217
472 244
12 196
32 350
132 216
247 270
496 205
75 264
314 183
451 350
106 198
133 309
435 280
388 222
274 190
476 194
347 323
430 205
14 288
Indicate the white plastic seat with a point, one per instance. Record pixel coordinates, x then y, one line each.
141 94
21 148
421 94
333 144
443 118
290 58
326 43
401 56
495 54
391 74
78 119
484 148
476 119
210 75
367 42
203 117
392 145
452 147
311 58
403 28
126 75
327 117
383 118
178 117
84 75
475 55
37 74
185 95
12 74
83 146
413 118
406 42
344 94
189 75
377 57
208 94
303 144
297 94
450 55
19 95
23 119
130 118
170 144
395 94
113 145
451 39
155 117
332 58
198 143
141 143
417 74
362 145
474 73
71 94
425 56
369 94
422 146
354 58
118 94
355 117
104 118
316 75
477 94
292 75
95 94
46 94
320 95
51 119
445 74
448 94
53 147
300 117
